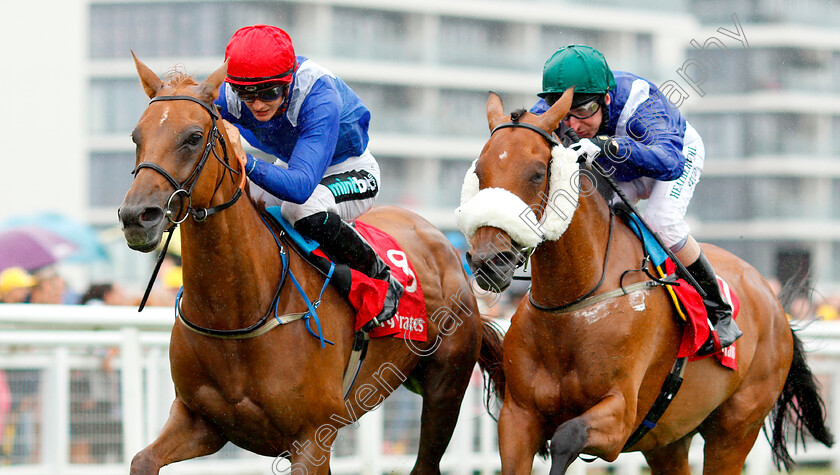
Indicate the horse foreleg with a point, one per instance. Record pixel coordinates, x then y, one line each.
520 437
671 459
600 431
311 452
184 436
566 444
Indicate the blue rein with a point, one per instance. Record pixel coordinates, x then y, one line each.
309 304
273 308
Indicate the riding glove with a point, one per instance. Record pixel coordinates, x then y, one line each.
589 149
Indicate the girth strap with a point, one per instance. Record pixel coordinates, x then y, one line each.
669 389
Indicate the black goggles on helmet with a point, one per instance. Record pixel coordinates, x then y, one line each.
268 94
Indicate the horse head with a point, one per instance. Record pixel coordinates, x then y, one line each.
520 192
174 138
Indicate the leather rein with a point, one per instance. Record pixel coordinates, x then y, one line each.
199 214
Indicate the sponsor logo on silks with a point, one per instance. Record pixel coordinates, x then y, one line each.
687 175
729 351
351 185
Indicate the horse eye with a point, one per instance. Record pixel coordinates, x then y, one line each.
538 177
195 139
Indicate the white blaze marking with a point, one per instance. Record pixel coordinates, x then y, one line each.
503 155
164 116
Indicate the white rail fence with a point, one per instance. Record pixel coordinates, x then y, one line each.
82 389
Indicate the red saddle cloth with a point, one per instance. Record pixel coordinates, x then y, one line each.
367 295
696 329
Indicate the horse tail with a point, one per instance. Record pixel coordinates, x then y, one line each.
800 405
490 362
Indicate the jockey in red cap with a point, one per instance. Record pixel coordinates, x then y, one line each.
317 129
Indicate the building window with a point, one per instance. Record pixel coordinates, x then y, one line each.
449 181
553 37
115 106
786 198
176 29
723 135
479 43
392 108
462 113
394 177
110 177
373 34
721 199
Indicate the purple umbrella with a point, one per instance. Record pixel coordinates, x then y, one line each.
32 247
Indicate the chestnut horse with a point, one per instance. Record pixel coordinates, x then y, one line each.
586 377
278 393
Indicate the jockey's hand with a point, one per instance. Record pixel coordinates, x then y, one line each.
568 137
234 140
235 146
589 149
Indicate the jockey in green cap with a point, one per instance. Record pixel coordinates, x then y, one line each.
626 124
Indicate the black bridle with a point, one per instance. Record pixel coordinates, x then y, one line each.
199 214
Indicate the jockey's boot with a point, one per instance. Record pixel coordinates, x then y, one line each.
340 241
724 330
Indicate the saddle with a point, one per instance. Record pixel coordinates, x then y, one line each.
410 321
688 303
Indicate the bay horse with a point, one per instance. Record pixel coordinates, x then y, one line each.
584 378
279 393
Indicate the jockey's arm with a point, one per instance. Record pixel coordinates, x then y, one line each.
653 146
318 124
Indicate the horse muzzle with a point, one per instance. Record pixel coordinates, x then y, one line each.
142 225
493 260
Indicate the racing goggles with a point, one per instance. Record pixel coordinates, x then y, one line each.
585 111
268 94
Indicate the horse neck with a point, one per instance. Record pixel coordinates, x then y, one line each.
565 269
231 264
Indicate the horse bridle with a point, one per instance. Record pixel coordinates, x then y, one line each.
553 142
199 214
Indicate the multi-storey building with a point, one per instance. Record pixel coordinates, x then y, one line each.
423 68
771 123
769 110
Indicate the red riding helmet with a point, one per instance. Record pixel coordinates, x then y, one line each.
260 54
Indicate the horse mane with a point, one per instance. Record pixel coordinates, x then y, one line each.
517 115
178 78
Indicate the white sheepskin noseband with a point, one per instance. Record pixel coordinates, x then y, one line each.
502 209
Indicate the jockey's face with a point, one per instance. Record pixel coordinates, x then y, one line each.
588 128
265 110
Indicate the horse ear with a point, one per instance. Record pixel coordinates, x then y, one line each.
209 89
551 118
151 82
495 110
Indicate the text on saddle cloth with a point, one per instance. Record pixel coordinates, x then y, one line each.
409 323
687 301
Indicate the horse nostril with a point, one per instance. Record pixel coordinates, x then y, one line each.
151 216
505 259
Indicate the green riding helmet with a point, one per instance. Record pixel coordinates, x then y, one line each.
575 65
